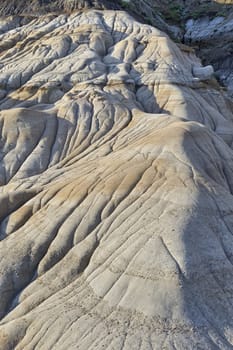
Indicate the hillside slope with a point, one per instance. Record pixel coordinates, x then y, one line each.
116 189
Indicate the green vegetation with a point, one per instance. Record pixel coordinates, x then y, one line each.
125 4
173 13
149 21
210 10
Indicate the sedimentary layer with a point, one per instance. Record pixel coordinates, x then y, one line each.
116 189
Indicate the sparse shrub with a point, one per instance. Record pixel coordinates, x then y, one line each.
149 21
125 4
173 13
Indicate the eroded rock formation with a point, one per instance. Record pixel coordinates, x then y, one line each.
116 189
212 38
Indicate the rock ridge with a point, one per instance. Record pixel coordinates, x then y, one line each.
115 189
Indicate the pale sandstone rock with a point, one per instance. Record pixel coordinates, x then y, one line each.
116 190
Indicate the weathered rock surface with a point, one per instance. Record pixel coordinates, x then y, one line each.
116 189
33 7
213 39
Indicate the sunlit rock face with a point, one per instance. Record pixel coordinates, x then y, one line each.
116 189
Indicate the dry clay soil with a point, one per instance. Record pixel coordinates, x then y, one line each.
116 183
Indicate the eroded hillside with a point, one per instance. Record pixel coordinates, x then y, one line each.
116 189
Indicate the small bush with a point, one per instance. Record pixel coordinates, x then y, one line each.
125 4
173 13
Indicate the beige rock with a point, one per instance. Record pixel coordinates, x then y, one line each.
116 190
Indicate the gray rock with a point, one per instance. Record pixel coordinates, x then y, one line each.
203 73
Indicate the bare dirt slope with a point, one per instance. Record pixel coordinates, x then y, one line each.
116 189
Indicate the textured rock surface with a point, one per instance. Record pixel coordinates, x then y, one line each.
213 39
116 189
13 7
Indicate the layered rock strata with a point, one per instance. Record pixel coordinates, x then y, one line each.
116 189
212 38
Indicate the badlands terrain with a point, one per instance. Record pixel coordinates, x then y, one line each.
116 187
